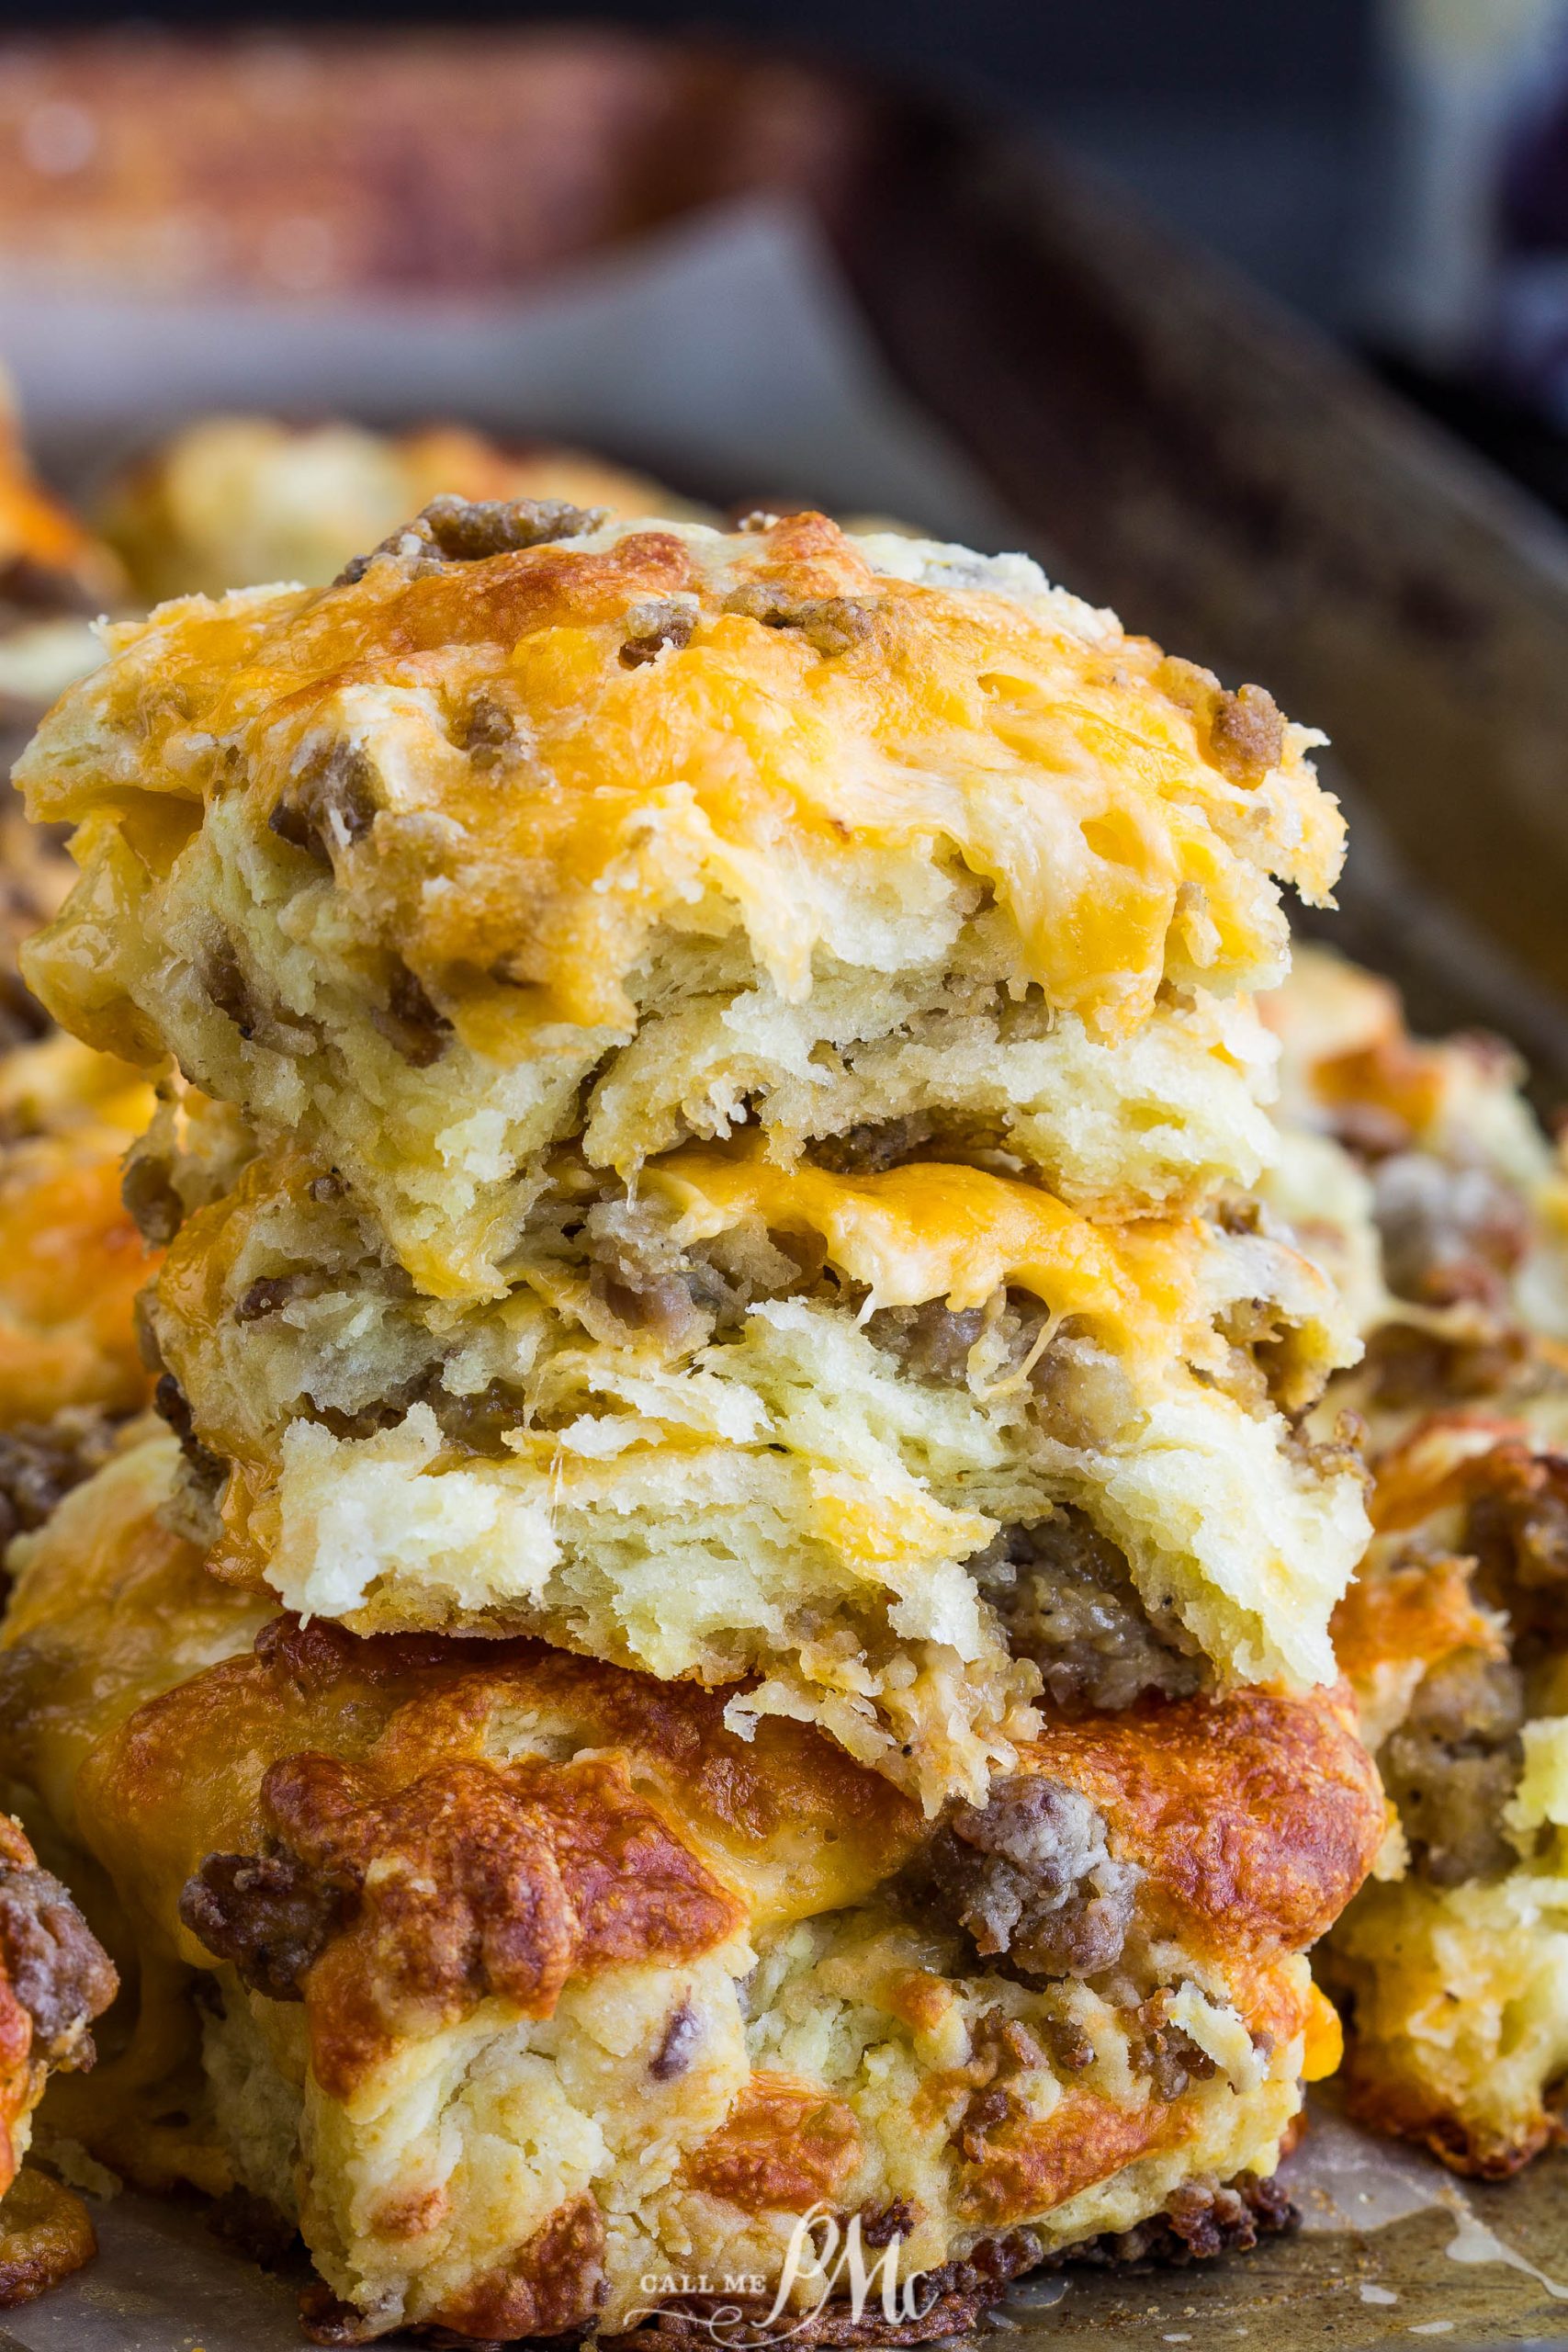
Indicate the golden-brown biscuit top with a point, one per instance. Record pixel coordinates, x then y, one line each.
787 1819
395 1760
519 764
1256 1816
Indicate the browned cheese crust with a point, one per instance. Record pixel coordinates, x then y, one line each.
345 1751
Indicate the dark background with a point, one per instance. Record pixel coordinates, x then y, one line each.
1032 48
1272 133
1241 121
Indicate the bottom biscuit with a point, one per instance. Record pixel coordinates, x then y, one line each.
545 2005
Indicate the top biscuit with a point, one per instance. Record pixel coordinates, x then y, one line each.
534 825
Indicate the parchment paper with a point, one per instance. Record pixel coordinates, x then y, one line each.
1392 2250
726 356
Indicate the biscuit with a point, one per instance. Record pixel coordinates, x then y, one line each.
535 826
1417 1172
72 1258
1455 1638
54 577
532 1990
847 1438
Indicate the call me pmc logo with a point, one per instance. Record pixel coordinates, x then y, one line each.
824 2260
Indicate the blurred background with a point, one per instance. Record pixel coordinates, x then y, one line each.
1396 171
1242 125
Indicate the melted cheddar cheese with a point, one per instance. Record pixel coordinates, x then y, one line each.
934 1230
747 775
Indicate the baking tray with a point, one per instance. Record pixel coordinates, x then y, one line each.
769 278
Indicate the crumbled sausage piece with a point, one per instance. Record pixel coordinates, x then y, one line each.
1166 2053
983 2114
1001 2050
951 2301
1449 1236
642 1276
468 530
266 1295
1451 1766
22 1017
330 804
1029 1875
487 731
829 625
33 587
41 1460
225 982
1247 734
682 2035
1371 1131
171 1403
880 2224
1201 2222
326 2319
209 1471
1211 2222
1245 729
1405 1367
932 1340
1070 2047
147 1190
1067 1598
1239 1212
1341 1454
272 1915
478 1421
867 1149
1518 1529
1081 1389
409 1022
654 624
52 1962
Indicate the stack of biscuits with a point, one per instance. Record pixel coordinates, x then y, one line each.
1418 1172
728 1628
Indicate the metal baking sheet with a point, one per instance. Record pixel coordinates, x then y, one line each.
884 307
